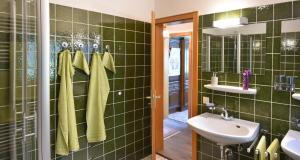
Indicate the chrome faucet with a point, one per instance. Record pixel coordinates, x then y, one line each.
224 111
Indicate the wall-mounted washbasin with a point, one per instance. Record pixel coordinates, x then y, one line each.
291 144
296 96
224 132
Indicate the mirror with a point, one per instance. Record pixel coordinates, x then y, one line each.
233 50
290 47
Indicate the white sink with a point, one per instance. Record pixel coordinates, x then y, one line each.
223 132
296 96
291 144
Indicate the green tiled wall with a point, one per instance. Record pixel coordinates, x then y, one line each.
127 115
274 110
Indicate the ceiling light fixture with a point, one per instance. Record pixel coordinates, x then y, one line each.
230 22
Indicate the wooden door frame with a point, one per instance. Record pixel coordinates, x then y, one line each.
157 78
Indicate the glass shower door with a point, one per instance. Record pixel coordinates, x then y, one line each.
18 79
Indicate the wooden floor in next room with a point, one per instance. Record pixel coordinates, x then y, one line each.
177 140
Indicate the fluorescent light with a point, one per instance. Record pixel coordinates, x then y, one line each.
166 34
231 22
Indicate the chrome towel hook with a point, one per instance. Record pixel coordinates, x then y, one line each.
107 48
65 45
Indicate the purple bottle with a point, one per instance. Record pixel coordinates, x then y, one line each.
246 79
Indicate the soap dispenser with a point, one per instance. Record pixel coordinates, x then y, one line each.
214 79
246 79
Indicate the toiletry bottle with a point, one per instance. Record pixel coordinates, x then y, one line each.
214 79
246 79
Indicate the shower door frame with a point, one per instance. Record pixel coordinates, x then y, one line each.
43 64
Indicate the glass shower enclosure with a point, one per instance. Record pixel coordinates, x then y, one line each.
20 74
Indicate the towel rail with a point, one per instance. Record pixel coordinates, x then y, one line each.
262 132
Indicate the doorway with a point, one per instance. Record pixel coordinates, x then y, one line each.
174 85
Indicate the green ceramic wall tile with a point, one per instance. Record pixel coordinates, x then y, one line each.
283 10
247 106
120 60
232 103
94 18
139 37
80 102
264 93
119 35
148 28
234 13
265 13
94 30
52 11
221 15
4 74
276 61
119 22
269 30
130 36
279 127
280 111
264 122
140 26
208 20
80 15
277 28
269 45
277 44
119 107
281 97
108 20
63 13
250 13
63 28
265 79
130 48
130 24
108 33
296 6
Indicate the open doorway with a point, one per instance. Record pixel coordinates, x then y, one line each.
174 85
177 47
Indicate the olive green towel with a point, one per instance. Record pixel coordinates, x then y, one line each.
67 138
97 97
80 62
272 149
108 62
261 147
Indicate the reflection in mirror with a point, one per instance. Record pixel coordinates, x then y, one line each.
290 48
233 50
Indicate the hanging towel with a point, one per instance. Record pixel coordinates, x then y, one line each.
272 149
261 147
67 138
97 97
80 62
108 62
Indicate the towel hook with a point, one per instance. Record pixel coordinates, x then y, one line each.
65 45
107 48
80 45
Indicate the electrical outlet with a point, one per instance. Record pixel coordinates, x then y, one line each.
205 100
